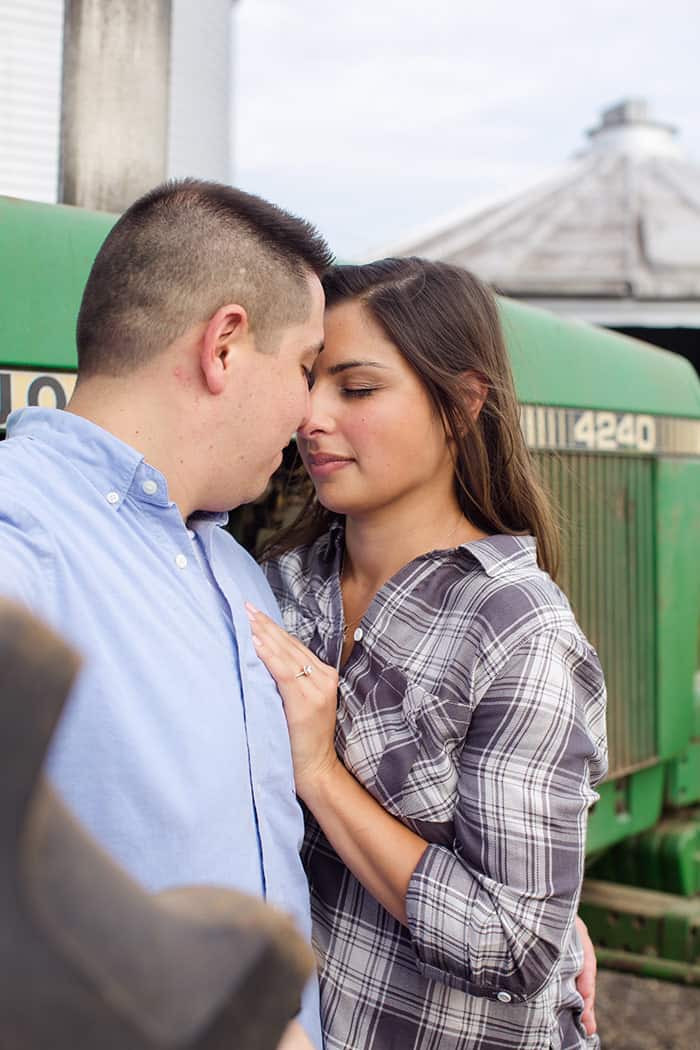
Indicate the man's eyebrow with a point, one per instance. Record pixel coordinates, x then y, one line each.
345 365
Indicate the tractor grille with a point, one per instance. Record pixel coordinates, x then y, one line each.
608 573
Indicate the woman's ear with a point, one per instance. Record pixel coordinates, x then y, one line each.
226 330
476 390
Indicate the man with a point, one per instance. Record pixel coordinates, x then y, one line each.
200 322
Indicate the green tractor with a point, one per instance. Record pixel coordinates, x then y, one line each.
614 425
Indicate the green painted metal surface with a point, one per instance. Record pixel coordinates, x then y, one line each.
626 807
666 858
607 506
649 966
644 931
683 778
46 252
678 599
562 362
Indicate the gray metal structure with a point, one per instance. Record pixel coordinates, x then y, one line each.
613 239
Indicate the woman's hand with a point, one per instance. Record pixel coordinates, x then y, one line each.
377 848
585 981
310 699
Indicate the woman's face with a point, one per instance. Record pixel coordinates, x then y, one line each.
372 439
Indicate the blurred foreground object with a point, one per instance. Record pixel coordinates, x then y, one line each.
89 960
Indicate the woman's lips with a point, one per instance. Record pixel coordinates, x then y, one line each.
320 464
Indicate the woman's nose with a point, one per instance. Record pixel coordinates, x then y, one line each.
319 418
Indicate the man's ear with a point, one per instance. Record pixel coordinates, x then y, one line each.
226 331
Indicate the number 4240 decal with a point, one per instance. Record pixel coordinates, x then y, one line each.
607 431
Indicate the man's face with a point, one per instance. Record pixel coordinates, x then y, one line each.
272 399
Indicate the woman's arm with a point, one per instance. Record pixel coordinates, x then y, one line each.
496 911
491 915
378 849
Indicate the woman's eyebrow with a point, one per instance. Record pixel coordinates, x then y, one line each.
344 365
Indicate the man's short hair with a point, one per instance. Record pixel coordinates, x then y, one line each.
181 252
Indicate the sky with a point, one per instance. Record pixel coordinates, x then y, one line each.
376 118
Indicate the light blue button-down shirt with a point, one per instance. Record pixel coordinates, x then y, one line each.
173 748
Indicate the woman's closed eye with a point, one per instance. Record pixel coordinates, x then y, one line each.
358 391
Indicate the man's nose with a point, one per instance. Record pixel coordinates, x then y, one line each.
306 412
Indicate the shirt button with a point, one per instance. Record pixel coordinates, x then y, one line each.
359 634
181 561
504 997
150 487
190 533
113 497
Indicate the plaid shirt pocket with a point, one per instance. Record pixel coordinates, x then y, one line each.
404 747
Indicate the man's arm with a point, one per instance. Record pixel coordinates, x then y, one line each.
26 556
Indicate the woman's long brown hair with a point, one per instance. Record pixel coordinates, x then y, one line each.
445 323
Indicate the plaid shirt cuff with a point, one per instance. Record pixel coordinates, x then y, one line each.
463 938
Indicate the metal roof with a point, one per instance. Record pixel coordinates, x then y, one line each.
620 224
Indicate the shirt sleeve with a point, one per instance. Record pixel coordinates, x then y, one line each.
492 915
26 557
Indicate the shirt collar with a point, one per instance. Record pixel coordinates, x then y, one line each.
114 468
504 555
107 462
203 522
498 555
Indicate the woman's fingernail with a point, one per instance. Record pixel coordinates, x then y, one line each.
257 642
250 609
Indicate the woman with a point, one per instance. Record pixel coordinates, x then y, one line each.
446 713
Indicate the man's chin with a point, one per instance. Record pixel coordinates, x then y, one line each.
254 491
253 495
227 502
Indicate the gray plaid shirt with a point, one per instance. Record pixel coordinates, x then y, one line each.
473 709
